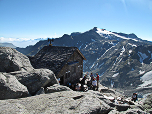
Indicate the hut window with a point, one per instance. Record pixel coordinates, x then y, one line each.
67 75
80 67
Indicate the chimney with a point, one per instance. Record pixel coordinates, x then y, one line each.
50 40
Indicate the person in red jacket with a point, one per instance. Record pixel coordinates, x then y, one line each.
97 78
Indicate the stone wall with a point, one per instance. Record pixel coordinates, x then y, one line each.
72 72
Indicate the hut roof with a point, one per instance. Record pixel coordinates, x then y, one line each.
53 57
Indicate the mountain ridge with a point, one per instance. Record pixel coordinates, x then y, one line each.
117 57
7 45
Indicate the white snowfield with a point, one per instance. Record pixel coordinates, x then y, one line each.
147 76
147 80
101 32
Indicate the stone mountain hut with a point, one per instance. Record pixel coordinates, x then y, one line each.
65 62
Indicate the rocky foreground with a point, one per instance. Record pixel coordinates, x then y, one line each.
25 90
62 100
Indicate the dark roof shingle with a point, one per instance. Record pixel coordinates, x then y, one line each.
53 57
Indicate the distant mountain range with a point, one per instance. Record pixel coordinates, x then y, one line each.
123 61
7 45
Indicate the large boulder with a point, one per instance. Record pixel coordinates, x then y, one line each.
35 79
15 63
57 88
11 88
12 60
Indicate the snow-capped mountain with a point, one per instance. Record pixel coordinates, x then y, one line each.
122 60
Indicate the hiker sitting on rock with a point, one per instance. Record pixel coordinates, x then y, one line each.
78 87
83 80
85 88
134 97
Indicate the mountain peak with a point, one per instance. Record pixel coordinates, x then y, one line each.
75 33
65 35
94 29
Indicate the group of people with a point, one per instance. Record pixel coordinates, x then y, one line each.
88 82
92 82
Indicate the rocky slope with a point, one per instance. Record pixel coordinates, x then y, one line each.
120 59
60 99
19 79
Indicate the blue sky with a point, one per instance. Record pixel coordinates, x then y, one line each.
32 19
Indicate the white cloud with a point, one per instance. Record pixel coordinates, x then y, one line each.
2 39
124 4
142 3
20 42
23 42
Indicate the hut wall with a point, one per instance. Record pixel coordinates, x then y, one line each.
72 71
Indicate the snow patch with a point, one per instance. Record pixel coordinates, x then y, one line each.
103 32
142 56
130 51
119 61
107 50
102 73
80 47
93 40
86 46
132 69
146 79
115 75
96 65
133 45
101 64
110 97
147 76
149 51
141 72
93 65
112 43
122 51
